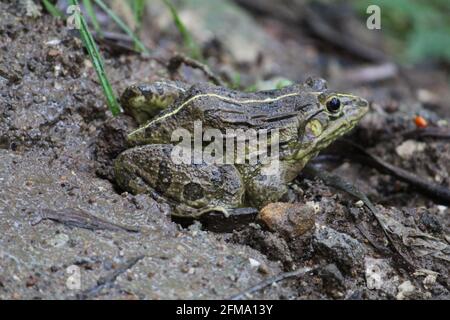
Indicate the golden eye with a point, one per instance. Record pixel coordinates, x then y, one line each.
333 105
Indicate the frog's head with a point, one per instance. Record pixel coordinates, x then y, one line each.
329 116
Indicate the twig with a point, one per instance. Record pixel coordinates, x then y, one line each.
301 12
435 191
80 219
327 32
430 132
278 278
341 184
178 59
371 73
108 280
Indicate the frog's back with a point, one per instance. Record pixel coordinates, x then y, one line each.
220 108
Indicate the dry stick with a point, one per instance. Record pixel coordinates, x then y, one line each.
79 219
177 60
372 73
436 133
365 233
301 12
265 283
327 32
341 40
354 151
341 184
435 191
350 44
108 280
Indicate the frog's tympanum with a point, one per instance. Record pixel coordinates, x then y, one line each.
307 117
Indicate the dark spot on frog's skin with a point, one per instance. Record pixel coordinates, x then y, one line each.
164 178
193 191
167 150
147 132
216 177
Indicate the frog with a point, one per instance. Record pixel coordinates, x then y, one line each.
304 118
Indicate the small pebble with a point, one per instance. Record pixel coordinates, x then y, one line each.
263 269
359 204
404 290
254 263
290 220
409 147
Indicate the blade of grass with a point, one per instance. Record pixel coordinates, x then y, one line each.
90 11
122 25
189 42
138 7
138 12
52 9
92 49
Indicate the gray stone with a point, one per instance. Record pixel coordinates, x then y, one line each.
333 280
381 276
338 247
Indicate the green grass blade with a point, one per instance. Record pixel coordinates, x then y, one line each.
123 26
138 7
92 49
90 11
52 9
189 42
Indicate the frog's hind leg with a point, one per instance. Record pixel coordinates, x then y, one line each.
145 101
190 189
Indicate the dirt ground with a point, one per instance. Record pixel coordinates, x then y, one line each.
57 143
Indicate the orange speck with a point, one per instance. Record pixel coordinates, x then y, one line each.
420 122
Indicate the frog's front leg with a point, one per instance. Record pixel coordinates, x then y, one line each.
269 184
144 101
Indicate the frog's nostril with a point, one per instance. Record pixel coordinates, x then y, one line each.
361 103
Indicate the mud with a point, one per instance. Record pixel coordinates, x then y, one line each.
57 143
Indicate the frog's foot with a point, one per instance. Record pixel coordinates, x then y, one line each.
145 101
223 210
183 210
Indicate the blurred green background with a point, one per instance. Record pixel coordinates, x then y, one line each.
416 30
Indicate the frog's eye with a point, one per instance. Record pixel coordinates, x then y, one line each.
333 105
